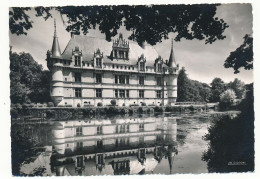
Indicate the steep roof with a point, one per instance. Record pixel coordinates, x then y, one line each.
89 45
172 62
55 50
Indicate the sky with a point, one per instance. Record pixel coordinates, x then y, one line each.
203 62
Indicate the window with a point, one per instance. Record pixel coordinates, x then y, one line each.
141 127
121 79
126 55
77 60
78 131
141 80
77 77
127 128
142 68
99 144
99 93
159 81
115 52
113 66
79 145
122 93
159 67
127 79
98 78
133 68
122 129
116 93
141 93
127 93
159 94
116 79
98 62
77 92
99 130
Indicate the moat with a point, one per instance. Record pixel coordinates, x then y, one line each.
141 144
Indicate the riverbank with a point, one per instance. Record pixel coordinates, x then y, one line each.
65 113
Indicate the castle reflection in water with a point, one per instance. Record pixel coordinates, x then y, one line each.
113 147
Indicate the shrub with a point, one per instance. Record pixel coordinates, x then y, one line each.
50 104
99 104
143 104
113 102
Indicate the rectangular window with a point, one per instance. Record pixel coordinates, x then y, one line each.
126 54
78 92
116 79
122 93
159 94
99 130
127 79
77 60
141 80
77 77
116 93
127 93
121 79
141 93
98 78
142 68
141 127
79 131
159 81
99 93
98 62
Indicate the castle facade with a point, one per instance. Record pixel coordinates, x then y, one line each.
93 71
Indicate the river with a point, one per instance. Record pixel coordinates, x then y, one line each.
165 144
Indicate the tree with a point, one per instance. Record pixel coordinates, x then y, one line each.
239 88
217 87
28 81
147 23
242 56
183 85
227 99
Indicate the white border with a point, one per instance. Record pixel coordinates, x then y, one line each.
5 149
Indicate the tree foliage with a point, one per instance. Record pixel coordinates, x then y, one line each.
242 57
227 99
217 87
191 90
147 23
231 139
239 88
28 81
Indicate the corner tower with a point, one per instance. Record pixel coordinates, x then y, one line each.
54 63
172 78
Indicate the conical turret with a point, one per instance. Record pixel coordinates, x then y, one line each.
172 62
55 50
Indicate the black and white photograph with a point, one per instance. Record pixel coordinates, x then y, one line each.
129 89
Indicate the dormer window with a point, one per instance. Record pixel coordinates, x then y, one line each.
77 60
98 58
141 63
142 66
120 48
158 65
98 62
